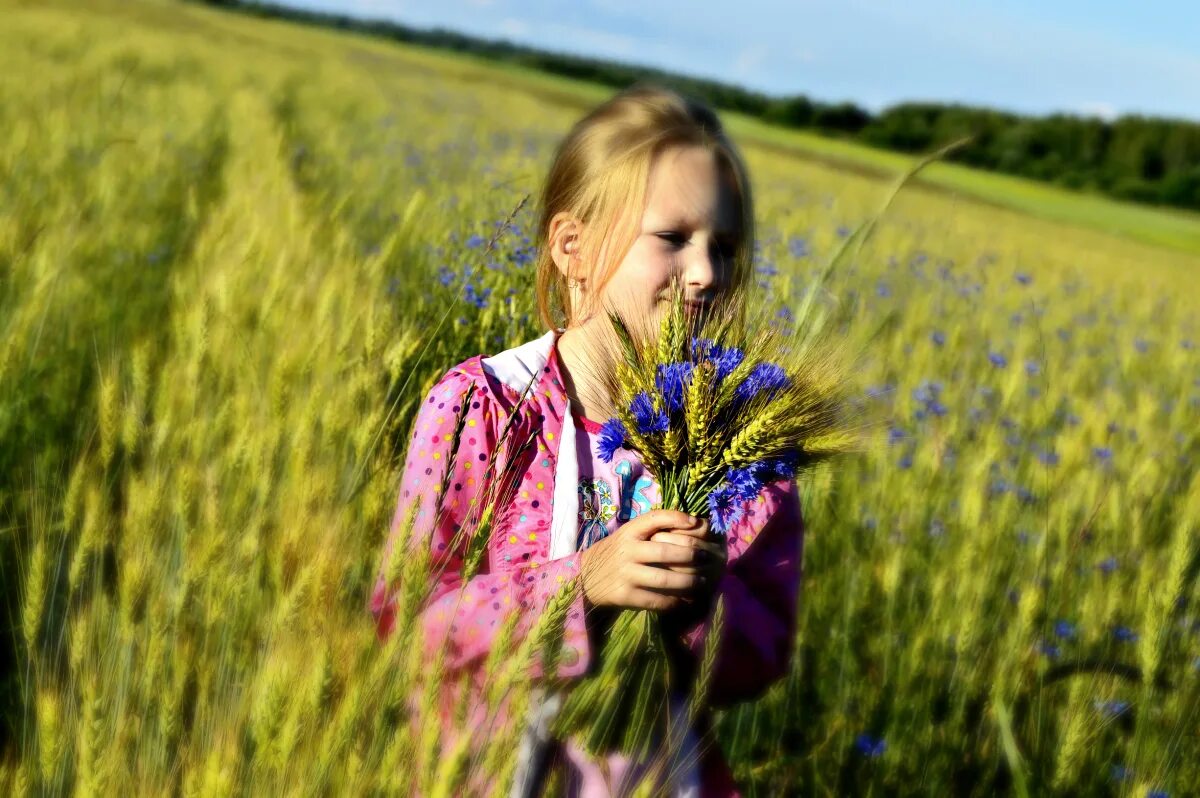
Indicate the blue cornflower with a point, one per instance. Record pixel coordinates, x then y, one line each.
1047 457
798 247
1120 773
671 381
1108 565
938 337
725 509
648 421
1123 634
906 460
843 231
870 746
612 437
928 390
1112 708
998 360
1032 368
766 377
882 289
746 482
446 275
782 467
476 240
1102 453
1157 794
1064 629
475 296
1047 649
725 359
1023 278
876 391
702 348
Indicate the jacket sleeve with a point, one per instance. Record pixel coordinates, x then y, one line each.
466 617
760 588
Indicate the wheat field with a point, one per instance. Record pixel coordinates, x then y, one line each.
235 253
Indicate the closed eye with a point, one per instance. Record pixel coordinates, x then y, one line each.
727 249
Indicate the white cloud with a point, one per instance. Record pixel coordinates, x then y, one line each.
513 27
1105 111
587 41
748 60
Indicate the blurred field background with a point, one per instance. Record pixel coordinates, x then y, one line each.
234 254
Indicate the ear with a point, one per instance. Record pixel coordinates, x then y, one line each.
564 242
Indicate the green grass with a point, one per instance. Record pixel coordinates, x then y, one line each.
234 255
1165 227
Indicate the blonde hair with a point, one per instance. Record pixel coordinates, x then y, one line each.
600 173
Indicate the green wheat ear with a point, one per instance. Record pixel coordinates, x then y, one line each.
672 332
708 664
628 348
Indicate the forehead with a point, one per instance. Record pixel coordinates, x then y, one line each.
689 187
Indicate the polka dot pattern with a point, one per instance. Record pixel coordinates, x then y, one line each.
517 575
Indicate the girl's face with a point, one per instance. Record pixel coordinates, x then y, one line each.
689 232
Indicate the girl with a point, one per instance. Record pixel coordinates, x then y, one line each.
645 194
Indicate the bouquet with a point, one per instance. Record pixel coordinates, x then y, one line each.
717 409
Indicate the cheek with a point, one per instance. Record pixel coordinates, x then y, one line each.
640 279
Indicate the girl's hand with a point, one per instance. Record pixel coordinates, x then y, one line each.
714 557
625 569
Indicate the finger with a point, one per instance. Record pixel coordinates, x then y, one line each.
685 569
713 547
653 552
660 578
651 600
700 530
647 524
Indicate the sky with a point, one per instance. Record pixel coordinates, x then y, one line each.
1092 57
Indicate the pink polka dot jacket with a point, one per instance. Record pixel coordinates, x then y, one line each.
531 551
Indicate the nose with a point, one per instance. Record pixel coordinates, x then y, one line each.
704 273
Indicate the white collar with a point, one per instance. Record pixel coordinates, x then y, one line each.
517 368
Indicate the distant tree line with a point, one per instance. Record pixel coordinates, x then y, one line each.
1144 159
